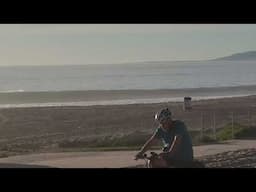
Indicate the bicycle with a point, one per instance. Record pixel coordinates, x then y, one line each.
149 162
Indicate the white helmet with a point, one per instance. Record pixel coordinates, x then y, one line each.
163 115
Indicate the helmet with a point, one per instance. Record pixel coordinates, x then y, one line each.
163 115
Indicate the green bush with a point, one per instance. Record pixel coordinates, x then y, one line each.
225 133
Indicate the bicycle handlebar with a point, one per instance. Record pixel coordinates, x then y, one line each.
145 156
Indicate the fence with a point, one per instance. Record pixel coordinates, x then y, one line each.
210 121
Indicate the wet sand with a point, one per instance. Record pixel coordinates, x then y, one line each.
111 95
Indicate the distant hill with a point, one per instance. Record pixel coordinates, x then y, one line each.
250 55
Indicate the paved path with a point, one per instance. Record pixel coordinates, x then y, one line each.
115 159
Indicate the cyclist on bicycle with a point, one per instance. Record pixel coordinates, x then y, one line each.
178 150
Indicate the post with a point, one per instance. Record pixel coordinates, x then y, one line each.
187 104
232 124
214 126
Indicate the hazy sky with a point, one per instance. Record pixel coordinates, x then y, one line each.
63 44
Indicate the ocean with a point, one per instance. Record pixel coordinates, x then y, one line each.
134 76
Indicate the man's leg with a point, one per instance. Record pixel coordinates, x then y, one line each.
158 162
179 163
174 163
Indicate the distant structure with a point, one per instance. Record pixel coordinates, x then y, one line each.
187 103
245 56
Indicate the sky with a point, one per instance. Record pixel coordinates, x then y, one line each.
78 44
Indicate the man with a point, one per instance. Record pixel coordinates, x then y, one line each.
178 150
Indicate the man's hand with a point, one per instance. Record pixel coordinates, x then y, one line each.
139 156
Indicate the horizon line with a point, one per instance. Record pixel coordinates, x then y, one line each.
129 62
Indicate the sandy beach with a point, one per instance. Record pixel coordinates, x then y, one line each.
31 130
27 122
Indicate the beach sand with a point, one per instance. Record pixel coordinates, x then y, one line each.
25 122
31 130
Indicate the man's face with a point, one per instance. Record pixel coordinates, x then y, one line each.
166 124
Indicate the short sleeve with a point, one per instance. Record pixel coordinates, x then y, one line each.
180 129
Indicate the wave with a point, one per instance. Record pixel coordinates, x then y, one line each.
13 91
116 102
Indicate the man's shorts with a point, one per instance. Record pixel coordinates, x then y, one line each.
176 163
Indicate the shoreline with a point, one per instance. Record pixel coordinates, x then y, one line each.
119 102
119 97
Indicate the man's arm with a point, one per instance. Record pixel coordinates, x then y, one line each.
174 146
152 140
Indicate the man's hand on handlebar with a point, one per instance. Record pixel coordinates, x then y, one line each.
144 156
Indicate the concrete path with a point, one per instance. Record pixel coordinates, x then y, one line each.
115 159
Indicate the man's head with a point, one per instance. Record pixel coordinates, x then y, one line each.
164 117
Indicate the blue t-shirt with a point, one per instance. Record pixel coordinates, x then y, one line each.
185 150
